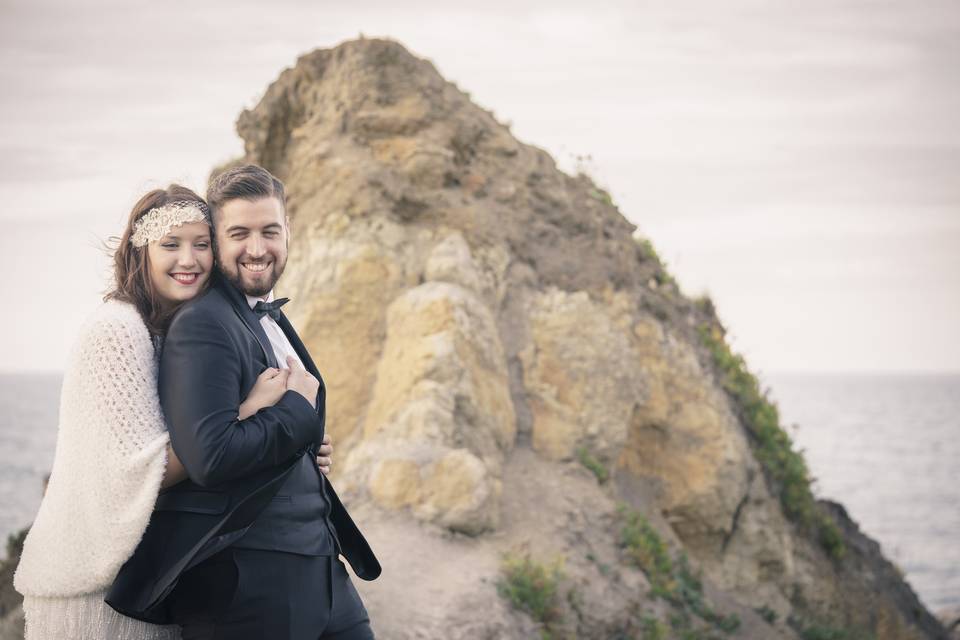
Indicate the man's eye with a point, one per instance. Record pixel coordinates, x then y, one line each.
271 234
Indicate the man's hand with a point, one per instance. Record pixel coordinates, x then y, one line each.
324 454
302 382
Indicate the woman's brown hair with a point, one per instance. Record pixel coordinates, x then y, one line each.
131 265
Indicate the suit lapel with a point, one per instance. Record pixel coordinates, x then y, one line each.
299 347
250 320
308 364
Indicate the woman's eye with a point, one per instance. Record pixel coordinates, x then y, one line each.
169 246
202 245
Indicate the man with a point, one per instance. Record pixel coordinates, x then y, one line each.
248 547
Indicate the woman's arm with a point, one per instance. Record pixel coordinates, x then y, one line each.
267 390
201 374
174 472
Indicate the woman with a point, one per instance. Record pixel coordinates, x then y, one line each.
113 454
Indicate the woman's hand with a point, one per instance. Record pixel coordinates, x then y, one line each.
267 390
323 455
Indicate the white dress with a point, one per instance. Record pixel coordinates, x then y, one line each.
109 462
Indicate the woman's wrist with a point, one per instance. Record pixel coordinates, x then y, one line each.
245 410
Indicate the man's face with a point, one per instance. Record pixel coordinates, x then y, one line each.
252 240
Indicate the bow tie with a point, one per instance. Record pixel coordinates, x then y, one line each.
271 309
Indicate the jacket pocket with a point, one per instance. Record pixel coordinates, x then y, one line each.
208 502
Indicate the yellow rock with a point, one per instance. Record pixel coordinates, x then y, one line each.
395 483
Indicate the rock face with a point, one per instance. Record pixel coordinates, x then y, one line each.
495 338
11 609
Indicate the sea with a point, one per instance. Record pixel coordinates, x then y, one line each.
887 446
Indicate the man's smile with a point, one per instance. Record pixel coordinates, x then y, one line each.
255 267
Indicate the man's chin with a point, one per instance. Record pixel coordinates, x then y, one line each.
256 289
258 286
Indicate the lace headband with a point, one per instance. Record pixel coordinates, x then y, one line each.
158 222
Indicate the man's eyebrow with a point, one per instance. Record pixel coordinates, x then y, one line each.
239 227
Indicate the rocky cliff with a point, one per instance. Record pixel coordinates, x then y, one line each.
537 429
539 433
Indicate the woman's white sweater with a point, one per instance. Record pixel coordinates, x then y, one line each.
109 462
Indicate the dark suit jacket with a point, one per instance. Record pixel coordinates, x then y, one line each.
213 352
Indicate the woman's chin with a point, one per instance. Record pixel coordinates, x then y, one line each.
184 294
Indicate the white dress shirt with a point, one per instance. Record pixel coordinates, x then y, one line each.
278 340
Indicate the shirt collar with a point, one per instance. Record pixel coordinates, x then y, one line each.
253 300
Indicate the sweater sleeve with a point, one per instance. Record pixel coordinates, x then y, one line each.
118 383
109 462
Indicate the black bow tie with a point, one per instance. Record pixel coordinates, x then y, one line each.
271 309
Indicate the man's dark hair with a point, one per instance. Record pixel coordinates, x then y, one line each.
246 182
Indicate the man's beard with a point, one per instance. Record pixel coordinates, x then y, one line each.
236 279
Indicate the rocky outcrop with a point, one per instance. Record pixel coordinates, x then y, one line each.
509 366
11 610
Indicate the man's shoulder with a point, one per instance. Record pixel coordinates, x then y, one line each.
210 306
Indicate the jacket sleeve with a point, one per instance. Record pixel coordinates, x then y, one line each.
200 385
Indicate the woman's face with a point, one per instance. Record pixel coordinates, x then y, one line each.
181 262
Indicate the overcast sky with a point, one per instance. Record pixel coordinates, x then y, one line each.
798 161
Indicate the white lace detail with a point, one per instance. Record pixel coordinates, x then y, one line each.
158 222
86 617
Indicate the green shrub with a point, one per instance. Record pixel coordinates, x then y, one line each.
594 465
824 631
652 629
661 275
647 550
15 543
602 195
782 464
768 614
674 580
531 587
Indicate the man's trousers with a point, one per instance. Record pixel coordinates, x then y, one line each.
249 594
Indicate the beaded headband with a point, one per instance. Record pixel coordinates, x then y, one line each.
158 222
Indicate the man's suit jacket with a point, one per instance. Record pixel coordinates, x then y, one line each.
213 352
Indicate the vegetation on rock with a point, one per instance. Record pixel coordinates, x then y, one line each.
595 466
784 466
532 587
672 579
822 631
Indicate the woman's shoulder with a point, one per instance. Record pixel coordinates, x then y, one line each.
113 319
117 311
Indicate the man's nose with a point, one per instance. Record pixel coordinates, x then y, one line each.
255 246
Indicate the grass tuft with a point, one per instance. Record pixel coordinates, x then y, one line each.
595 466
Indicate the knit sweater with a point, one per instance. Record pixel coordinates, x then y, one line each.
110 459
